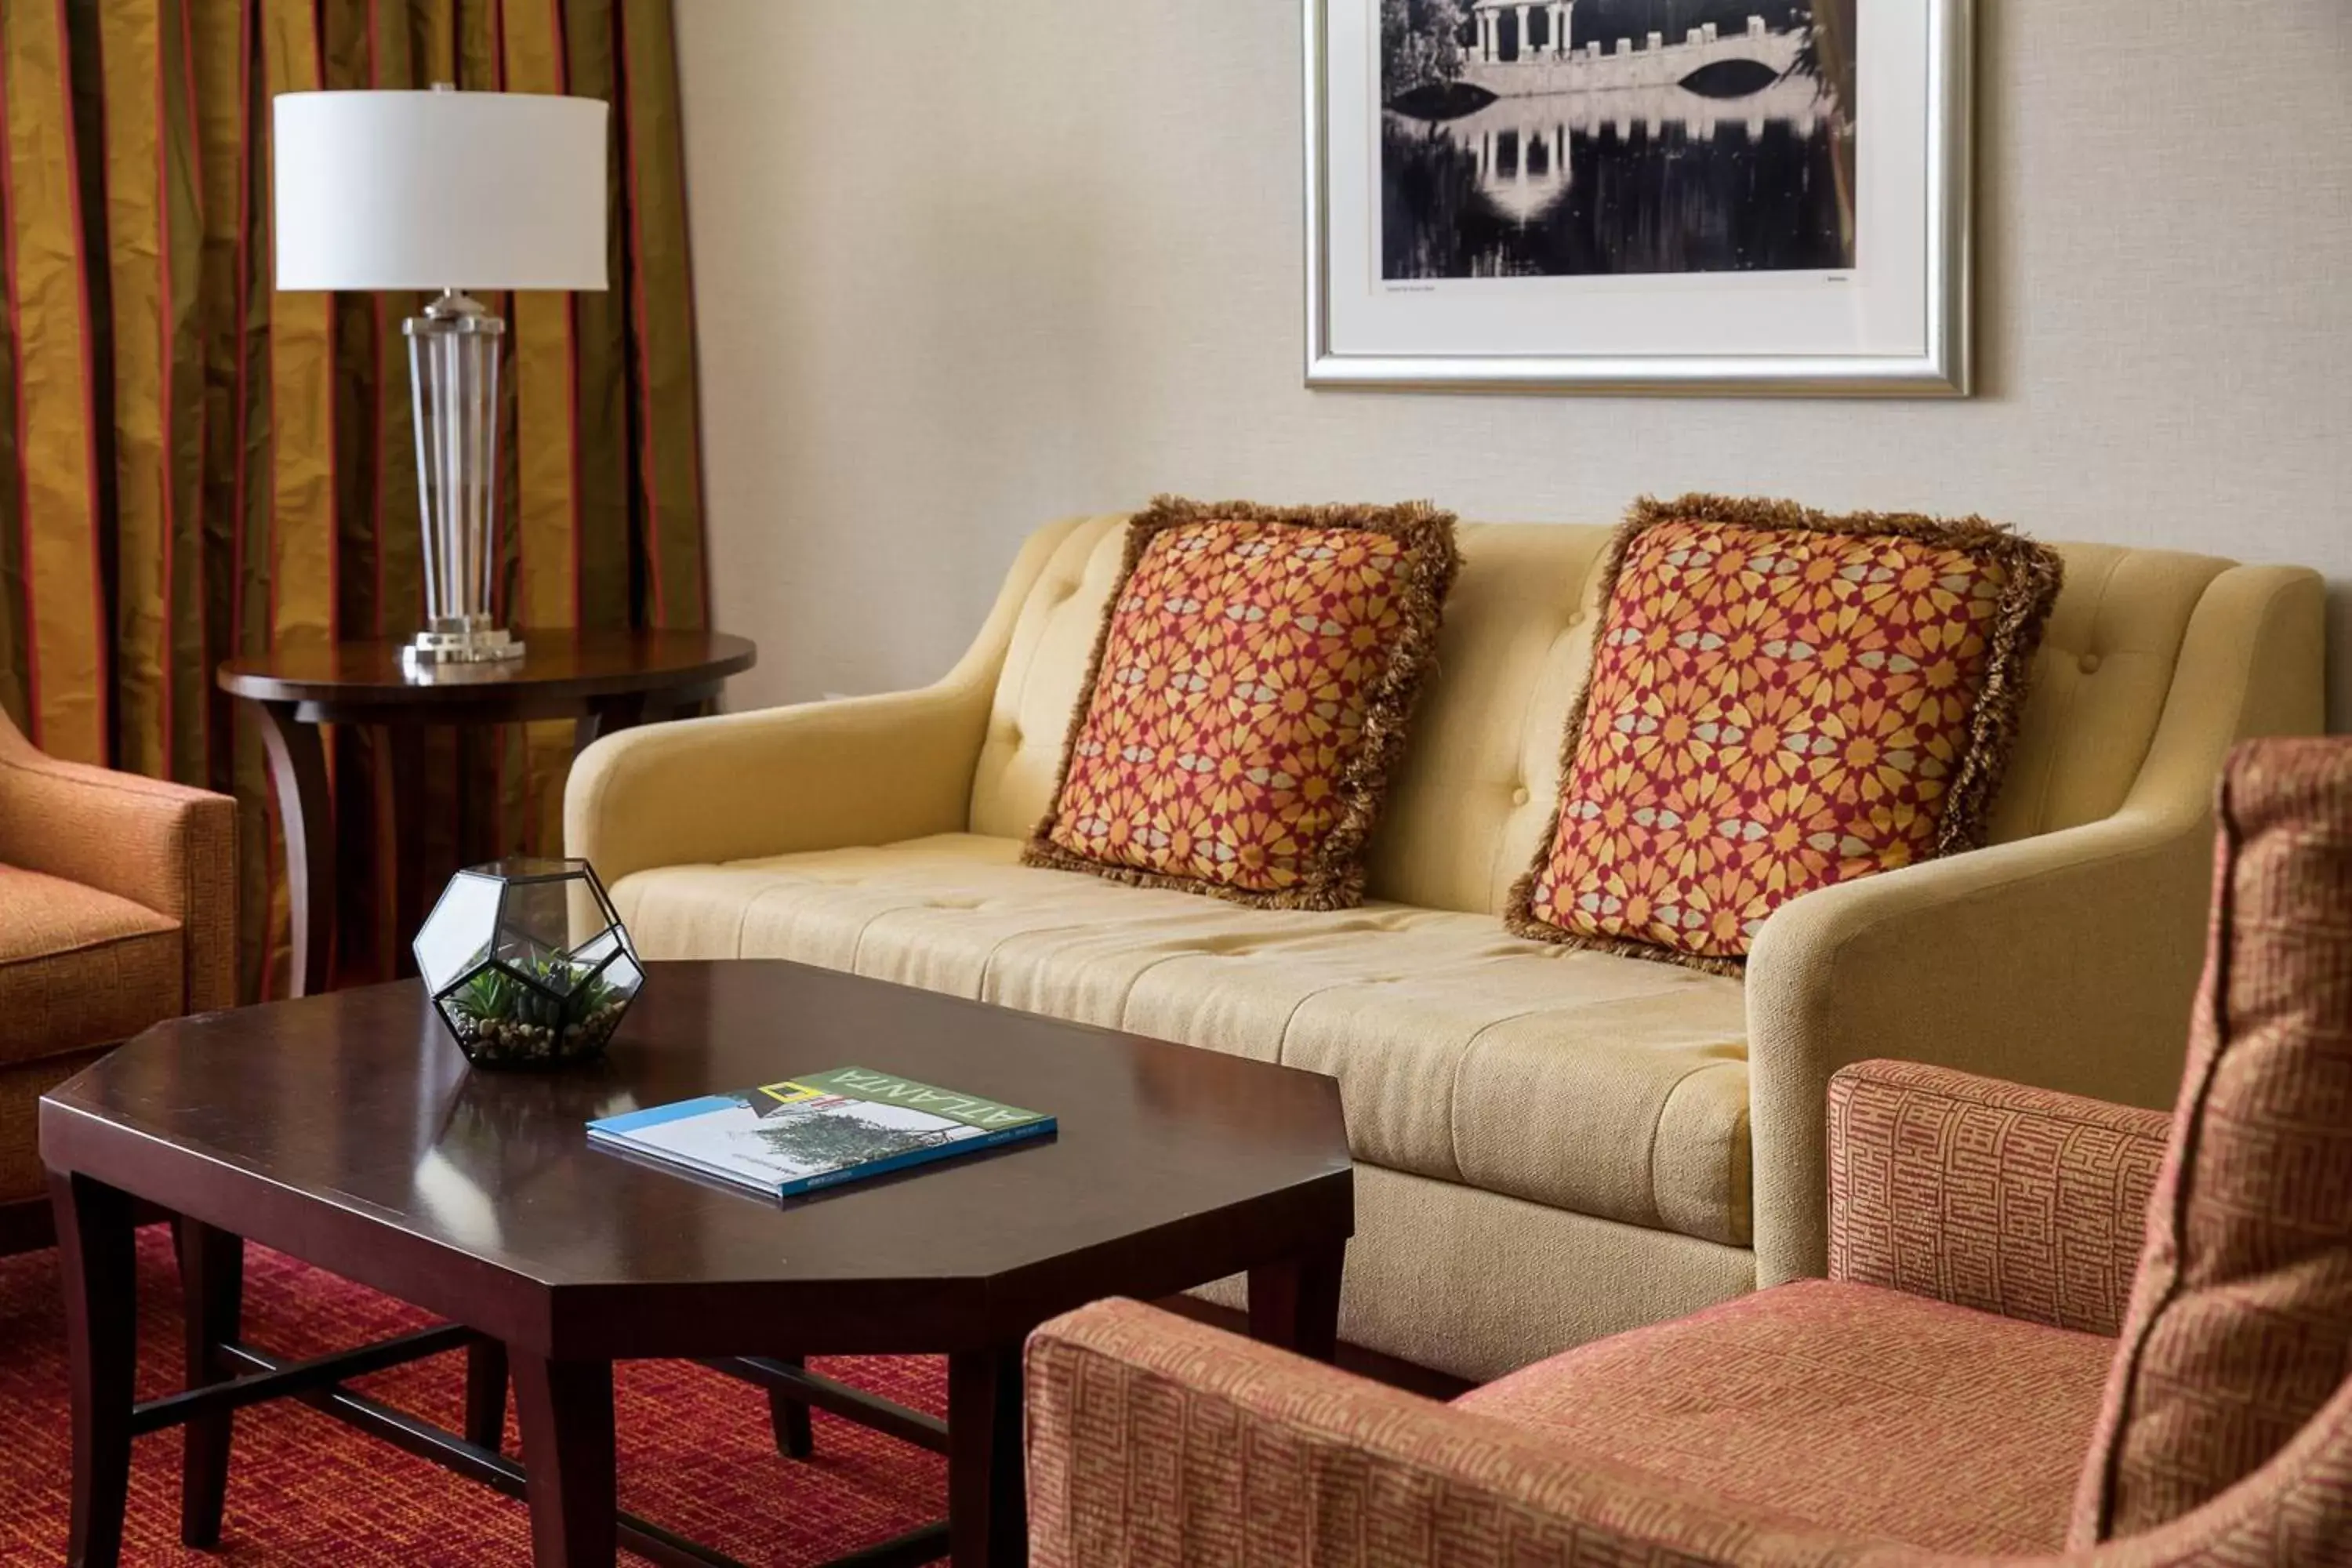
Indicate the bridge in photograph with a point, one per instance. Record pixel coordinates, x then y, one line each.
1524 49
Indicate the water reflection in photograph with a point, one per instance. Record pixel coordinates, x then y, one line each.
1679 136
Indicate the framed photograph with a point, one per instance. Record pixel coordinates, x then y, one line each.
1639 195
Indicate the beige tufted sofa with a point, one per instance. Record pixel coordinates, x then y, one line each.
1554 1145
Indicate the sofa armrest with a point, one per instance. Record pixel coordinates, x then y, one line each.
2020 1201
2066 960
1153 1439
167 846
824 775
866 770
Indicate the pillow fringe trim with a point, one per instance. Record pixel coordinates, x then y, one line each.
2035 575
1333 877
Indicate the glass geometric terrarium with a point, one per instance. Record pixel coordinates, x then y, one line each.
508 980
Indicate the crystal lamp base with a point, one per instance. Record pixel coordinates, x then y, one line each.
452 356
450 648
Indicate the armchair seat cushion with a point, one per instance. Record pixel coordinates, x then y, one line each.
1582 1080
81 968
1861 1410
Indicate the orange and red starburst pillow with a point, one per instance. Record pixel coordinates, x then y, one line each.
1248 699
1779 700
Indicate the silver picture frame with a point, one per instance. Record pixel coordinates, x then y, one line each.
1943 370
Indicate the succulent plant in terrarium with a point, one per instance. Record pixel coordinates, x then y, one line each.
507 980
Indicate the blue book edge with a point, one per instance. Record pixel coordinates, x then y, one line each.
618 1126
916 1157
613 1130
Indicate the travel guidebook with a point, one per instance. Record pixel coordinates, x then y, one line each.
804 1133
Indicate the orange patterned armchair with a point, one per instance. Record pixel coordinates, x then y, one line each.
2018 1355
118 909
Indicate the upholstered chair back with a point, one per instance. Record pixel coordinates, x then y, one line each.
1465 813
2236 1354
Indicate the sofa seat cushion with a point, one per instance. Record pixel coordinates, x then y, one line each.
1858 1409
79 967
1578 1079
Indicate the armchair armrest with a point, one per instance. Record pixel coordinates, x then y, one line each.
1152 1439
1987 1194
867 770
167 846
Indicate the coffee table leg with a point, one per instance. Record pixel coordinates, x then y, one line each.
987 1500
789 1418
485 1395
1296 1303
212 1289
94 1250
566 1408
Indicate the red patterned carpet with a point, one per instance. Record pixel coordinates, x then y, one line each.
696 1454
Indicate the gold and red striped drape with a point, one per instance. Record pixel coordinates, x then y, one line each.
193 465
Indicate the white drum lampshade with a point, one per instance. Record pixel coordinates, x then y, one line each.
443 192
439 190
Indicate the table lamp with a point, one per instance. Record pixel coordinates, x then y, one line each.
443 192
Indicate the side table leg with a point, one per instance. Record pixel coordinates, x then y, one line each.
211 1286
485 1395
566 1408
94 1249
789 1419
610 716
987 1499
1296 1303
405 745
298 771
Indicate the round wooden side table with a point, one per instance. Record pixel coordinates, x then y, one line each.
603 681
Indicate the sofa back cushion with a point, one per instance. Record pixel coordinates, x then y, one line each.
1043 677
2240 1322
1467 809
2100 681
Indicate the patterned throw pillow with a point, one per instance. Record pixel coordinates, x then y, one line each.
1779 700
1248 699
2240 1332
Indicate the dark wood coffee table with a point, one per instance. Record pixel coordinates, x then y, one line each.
346 1131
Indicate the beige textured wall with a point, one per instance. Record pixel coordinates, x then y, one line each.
964 266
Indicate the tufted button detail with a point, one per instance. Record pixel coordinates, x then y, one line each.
1519 795
2088 664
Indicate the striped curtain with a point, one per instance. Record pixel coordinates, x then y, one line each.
193 465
